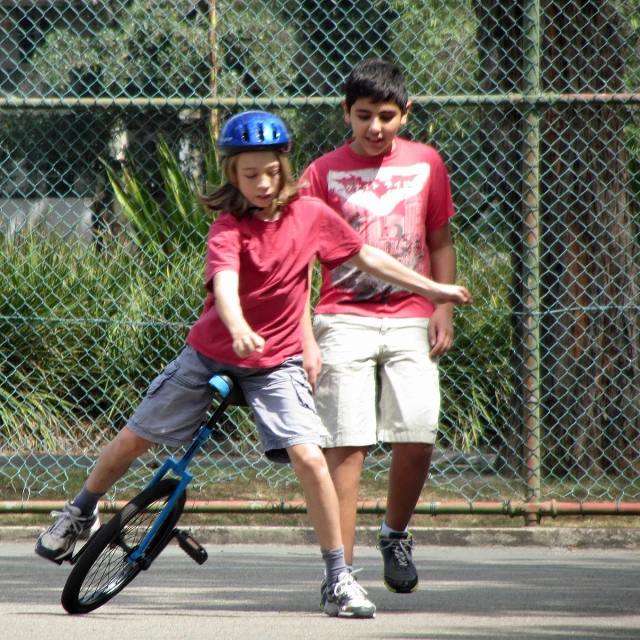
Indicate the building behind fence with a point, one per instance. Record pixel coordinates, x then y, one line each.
533 106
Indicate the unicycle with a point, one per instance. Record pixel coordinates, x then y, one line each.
138 533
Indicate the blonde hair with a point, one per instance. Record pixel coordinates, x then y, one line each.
229 198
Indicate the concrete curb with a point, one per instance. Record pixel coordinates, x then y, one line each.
560 537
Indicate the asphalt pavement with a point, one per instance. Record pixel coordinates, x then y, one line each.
271 592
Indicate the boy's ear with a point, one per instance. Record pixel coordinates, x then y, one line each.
347 116
403 120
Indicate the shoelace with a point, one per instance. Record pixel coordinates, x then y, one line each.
324 588
73 520
349 584
400 548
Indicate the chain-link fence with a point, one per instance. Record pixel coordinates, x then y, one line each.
107 109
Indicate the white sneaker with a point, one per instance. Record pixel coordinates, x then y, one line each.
347 599
59 540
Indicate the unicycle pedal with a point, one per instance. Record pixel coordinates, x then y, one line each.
191 546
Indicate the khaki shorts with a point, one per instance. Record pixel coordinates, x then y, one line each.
378 382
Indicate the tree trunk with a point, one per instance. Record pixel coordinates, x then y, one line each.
589 253
590 256
501 128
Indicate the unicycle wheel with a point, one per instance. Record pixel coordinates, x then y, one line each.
103 568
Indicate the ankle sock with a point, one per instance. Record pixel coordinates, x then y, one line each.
334 563
87 501
385 529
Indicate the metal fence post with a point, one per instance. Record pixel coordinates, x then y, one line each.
531 279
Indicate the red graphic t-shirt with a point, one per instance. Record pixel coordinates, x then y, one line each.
392 201
272 263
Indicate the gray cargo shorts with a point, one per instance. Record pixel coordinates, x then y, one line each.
179 399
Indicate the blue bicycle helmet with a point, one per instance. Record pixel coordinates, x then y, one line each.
253 131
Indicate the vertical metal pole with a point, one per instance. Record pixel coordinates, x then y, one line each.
531 280
213 77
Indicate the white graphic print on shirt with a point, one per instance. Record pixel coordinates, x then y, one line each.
386 206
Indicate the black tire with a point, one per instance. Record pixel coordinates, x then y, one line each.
102 570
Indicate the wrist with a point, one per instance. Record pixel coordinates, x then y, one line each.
445 307
239 329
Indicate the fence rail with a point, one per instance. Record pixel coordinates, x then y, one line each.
19 102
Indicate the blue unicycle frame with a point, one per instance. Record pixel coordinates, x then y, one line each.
230 395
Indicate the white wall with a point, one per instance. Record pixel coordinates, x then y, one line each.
65 215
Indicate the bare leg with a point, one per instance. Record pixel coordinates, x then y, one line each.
341 593
322 502
345 465
58 541
409 470
115 459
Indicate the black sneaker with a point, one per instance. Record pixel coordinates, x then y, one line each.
400 574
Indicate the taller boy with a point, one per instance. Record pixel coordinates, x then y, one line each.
380 343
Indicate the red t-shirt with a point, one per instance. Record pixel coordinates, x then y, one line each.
393 201
271 260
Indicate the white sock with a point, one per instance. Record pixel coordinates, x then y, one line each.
385 529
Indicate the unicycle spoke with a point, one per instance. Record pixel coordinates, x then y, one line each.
106 575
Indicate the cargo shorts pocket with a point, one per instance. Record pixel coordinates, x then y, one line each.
303 389
168 373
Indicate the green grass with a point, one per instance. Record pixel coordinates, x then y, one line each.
364 520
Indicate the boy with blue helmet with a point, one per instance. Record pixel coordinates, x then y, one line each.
258 252
380 344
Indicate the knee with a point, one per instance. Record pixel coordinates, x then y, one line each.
308 460
411 453
346 458
129 445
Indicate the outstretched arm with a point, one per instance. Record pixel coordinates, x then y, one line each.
384 267
225 289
